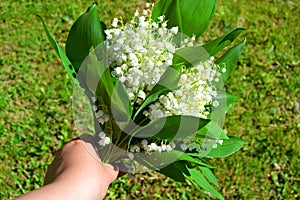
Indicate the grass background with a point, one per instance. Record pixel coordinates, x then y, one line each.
36 116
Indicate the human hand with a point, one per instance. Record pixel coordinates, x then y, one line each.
75 173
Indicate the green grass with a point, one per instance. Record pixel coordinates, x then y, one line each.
36 116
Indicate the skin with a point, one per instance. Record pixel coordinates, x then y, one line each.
75 173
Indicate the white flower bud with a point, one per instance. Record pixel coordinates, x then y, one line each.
161 18
144 142
183 147
215 103
115 22
174 30
102 135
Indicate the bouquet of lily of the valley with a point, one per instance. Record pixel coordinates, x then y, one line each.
155 97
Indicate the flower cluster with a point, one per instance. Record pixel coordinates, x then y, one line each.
139 52
196 91
104 140
101 118
189 144
99 114
144 145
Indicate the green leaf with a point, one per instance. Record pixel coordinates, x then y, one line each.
231 99
65 60
85 33
168 82
168 128
169 9
169 79
157 160
198 180
229 59
190 56
230 146
151 98
212 130
210 176
96 75
172 163
121 105
175 171
196 160
171 156
218 44
99 81
226 102
191 16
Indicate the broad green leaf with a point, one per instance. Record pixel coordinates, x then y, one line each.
191 16
210 176
169 79
230 146
151 98
218 44
99 81
86 33
65 60
196 160
175 171
91 72
96 75
198 180
121 105
172 163
212 130
229 59
168 82
157 160
173 155
168 128
226 102
170 9
190 56
161 7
